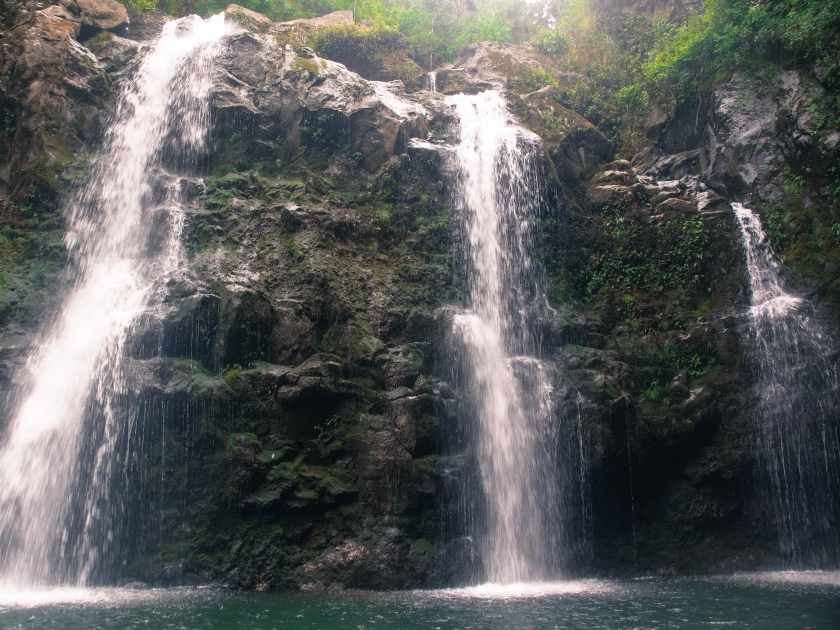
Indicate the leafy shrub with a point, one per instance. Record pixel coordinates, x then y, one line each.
140 4
552 42
687 61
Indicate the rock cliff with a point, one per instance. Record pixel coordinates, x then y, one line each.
292 403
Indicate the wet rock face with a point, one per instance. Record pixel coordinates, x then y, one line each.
575 146
658 366
54 97
374 54
291 369
284 368
760 122
769 139
742 141
54 100
519 68
100 13
279 102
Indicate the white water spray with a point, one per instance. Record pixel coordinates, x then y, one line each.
797 396
500 193
117 271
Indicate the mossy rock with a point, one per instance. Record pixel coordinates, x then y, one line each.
375 53
250 20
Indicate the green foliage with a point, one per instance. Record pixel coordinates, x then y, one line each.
9 122
604 65
538 79
631 255
29 209
620 60
328 425
688 59
779 225
654 361
139 4
794 183
310 65
436 30
354 40
552 42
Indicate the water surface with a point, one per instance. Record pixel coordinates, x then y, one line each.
769 600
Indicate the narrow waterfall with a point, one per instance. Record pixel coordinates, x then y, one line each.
431 83
499 193
118 267
797 395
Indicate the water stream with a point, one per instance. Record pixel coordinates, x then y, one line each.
118 267
796 395
517 426
431 83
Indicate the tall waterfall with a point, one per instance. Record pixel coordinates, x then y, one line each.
118 267
797 398
499 192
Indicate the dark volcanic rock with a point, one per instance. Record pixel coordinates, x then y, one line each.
55 95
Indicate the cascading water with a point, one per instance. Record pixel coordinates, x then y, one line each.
797 397
118 268
517 427
432 82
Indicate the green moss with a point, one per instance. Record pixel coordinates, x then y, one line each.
429 464
231 375
244 439
311 65
377 52
287 471
141 4
804 228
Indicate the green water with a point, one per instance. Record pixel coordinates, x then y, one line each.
772 600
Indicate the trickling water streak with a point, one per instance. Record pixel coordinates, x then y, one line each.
517 428
116 271
432 83
583 472
797 398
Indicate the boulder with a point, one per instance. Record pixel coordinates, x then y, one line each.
336 18
373 53
104 14
575 145
655 123
518 67
144 24
678 205
248 19
758 123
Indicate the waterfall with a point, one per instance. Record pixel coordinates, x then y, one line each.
797 397
499 193
118 268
